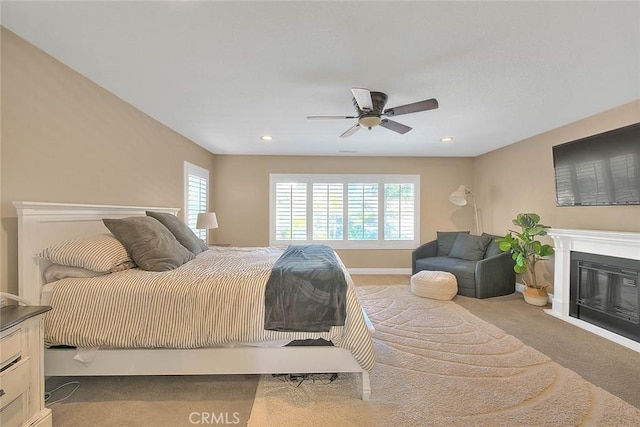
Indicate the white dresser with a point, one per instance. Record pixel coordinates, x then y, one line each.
22 367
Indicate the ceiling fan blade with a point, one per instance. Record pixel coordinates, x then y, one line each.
330 117
428 104
363 98
351 130
395 126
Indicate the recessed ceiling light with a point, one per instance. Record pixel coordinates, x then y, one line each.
266 137
446 139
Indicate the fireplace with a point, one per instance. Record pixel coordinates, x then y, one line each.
607 263
604 291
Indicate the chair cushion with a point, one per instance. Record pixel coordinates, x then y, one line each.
446 240
465 271
438 285
471 248
493 249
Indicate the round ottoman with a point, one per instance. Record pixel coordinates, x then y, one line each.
434 284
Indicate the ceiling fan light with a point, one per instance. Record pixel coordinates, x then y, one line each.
369 121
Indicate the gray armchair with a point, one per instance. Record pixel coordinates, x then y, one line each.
481 268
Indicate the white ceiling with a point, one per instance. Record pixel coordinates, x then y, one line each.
224 73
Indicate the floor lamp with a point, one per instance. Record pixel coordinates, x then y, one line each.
459 198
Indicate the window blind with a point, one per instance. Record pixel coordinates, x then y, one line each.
328 211
363 211
345 211
196 194
291 211
399 211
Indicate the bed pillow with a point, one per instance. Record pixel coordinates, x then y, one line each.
149 243
471 248
58 272
446 240
180 231
101 253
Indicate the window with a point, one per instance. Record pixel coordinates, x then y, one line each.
291 211
327 211
345 211
196 187
363 211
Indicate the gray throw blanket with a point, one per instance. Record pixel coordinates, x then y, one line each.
306 292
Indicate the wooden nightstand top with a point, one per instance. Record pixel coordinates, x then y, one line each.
12 315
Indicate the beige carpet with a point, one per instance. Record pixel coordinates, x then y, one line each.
158 401
440 365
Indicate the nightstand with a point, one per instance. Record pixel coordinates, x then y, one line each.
22 367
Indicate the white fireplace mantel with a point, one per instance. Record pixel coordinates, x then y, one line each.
610 243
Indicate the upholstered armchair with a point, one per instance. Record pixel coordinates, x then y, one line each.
481 268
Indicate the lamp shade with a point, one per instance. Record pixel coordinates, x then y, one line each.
207 220
459 197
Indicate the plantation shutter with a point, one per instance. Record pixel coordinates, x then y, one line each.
291 211
196 191
399 211
328 211
362 211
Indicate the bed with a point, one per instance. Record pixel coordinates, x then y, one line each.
41 225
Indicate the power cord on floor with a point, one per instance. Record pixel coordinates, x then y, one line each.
47 394
295 380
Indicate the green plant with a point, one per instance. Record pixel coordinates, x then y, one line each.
525 249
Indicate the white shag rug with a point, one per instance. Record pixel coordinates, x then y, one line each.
439 365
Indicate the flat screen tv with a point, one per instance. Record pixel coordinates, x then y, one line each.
599 170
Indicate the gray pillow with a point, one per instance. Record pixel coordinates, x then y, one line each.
493 249
471 248
149 243
181 232
446 240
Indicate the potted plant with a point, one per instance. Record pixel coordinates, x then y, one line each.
527 252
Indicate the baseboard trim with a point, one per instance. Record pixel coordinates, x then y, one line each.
520 288
380 271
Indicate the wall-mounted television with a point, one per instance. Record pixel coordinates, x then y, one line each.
599 170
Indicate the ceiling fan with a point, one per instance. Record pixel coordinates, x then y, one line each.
370 108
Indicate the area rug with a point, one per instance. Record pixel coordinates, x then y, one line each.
439 365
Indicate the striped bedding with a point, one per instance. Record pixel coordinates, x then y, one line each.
215 299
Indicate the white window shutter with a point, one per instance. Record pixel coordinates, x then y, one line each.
328 211
196 196
345 211
291 211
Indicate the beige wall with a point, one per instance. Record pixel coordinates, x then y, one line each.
240 197
65 139
520 178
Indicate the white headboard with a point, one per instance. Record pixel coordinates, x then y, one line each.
41 224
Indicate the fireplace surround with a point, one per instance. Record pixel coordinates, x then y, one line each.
585 243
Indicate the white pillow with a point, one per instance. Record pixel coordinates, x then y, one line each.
101 253
57 272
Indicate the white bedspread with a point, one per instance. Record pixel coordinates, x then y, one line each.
215 299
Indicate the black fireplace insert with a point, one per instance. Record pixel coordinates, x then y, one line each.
604 291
